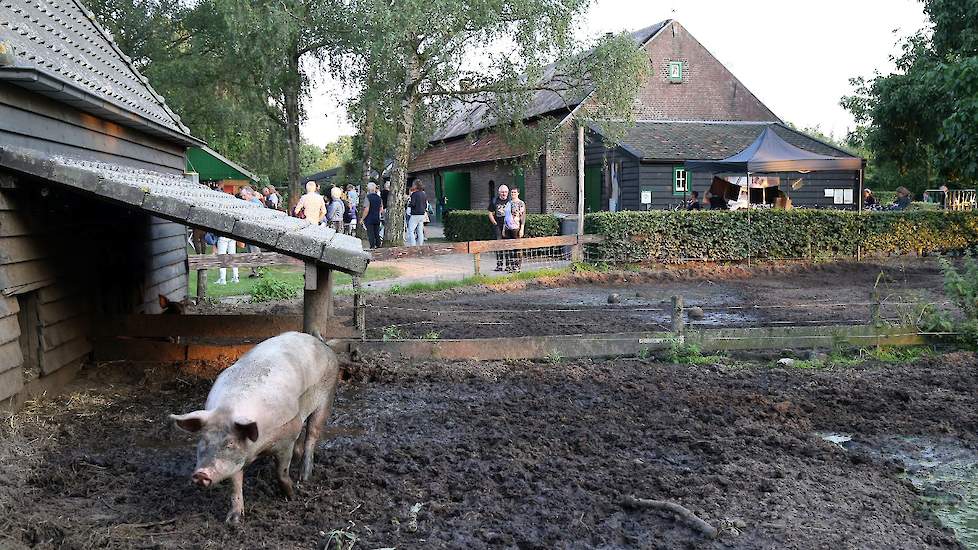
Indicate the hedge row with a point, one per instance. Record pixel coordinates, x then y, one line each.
473 225
668 236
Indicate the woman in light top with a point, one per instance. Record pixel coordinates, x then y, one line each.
312 204
336 209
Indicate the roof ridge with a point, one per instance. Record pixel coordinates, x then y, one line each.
160 100
738 122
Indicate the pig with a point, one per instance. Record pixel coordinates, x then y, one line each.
259 406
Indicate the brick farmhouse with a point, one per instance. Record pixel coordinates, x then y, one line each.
690 108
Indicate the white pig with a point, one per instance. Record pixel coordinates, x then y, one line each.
259 405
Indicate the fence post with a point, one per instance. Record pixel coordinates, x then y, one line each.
476 258
875 307
359 308
678 322
201 285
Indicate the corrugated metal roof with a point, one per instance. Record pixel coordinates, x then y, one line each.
61 39
679 140
469 117
179 199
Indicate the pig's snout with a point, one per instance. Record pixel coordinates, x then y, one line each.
200 478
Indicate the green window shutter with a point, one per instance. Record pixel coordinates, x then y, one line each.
675 71
680 185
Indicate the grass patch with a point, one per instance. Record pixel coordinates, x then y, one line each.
849 358
690 354
291 275
474 280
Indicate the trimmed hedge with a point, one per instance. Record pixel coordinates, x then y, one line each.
667 236
473 225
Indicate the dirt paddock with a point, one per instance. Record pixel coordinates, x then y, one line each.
506 455
792 294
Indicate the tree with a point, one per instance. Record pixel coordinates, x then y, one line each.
432 57
278 44
183 48
921 119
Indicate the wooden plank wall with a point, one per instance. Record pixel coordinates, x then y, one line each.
64 259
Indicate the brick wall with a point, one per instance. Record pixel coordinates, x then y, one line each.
708 91
499 172
561 176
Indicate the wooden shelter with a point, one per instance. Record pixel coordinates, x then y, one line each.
94 201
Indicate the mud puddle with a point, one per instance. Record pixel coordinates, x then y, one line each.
944 473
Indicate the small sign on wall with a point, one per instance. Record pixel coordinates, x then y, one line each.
646 196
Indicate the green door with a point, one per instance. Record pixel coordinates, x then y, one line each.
592 188
519 182
456 189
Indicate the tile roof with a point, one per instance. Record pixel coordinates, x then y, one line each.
62 40
469 117
486 148
179 199
663 140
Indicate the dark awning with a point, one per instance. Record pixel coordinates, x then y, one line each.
770 153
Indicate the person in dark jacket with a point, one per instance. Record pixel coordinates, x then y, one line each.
497 217
417 208
694 202
371 215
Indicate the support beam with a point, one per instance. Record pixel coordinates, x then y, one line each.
317 300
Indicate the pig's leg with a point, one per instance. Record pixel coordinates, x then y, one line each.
237 497
314 426
297 447
283 458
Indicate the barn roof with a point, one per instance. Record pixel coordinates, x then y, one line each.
61 51
213 166
680 140
469 117
179 199
486 148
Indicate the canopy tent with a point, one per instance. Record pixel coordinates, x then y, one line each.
770 153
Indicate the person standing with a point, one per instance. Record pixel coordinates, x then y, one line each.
371 215
497 217
515 225
312 206
336 209
252 196
353 195
417 208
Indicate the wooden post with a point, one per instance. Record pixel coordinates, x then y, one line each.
576 251
678 322
201 285
476 259
359 308
875 310
317 300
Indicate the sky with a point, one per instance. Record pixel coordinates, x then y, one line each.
796 56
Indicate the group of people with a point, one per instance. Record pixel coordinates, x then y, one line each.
904 198
341 213
717 202
507 215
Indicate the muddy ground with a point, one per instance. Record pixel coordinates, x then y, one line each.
730 296
506 455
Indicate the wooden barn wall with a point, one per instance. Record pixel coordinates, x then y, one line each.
596 154
66 259
32 121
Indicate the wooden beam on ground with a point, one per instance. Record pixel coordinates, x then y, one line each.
200 326
633 343
251 259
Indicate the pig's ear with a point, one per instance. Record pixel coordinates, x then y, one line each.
246 428
191 422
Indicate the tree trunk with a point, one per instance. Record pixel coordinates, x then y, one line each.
293 117
397 200
368 144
